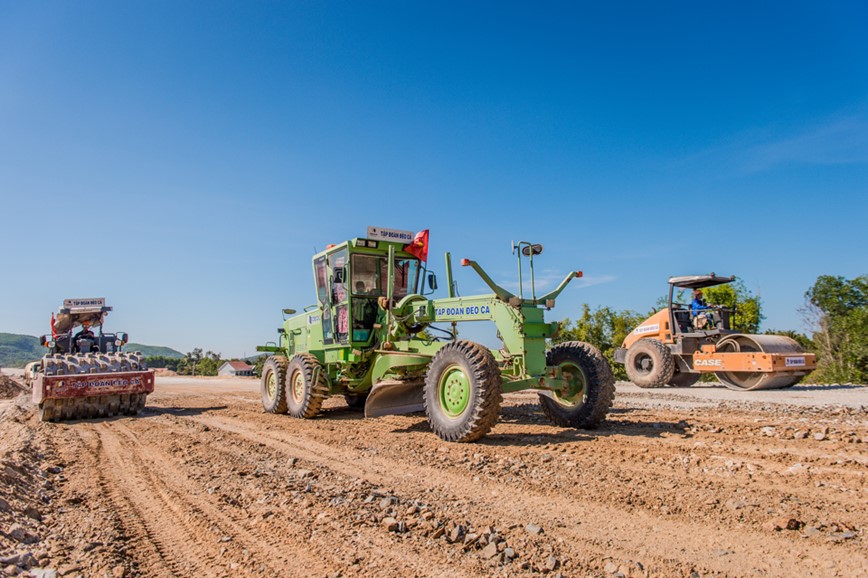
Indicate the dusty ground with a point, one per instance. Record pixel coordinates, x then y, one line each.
676 483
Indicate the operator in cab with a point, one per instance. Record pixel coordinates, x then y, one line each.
703 314
82 336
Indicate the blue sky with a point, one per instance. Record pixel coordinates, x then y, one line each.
184 159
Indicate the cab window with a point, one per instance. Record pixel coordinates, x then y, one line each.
371 272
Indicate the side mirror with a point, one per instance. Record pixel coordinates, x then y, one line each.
526 250
432 281
122 337
339 275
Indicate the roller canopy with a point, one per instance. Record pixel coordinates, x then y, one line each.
699 281
76 312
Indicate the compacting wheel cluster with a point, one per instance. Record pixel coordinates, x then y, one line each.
76 364
91 373
63 409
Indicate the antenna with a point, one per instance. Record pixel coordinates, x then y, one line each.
528 250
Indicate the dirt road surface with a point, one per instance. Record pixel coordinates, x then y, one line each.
686 482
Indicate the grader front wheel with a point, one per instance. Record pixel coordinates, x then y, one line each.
591 386
462 392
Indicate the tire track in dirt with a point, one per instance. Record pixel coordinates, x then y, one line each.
307 549
213 530
720 466
601 528
163 520
376 470
148 552
717 478
682 490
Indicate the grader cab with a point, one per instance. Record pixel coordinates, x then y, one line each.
373 336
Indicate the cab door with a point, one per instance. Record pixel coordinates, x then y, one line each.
339 296
323 295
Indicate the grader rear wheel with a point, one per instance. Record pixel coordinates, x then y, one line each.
754 380
463 392
272 384
592 386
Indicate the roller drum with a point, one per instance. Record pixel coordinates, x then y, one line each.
754 380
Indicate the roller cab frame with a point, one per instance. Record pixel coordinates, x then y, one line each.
667 348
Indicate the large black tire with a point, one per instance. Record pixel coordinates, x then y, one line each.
649 363
306 386
463 392
588 408
683 379
272 386
356 400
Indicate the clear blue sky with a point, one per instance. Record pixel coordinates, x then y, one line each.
183 159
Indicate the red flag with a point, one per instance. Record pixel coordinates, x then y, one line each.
53 331
419 246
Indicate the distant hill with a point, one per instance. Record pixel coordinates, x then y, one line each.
154 350
18 350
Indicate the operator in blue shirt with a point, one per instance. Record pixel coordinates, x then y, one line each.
702 313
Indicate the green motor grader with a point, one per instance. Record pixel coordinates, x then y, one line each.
372 338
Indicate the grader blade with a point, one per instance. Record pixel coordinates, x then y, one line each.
393 397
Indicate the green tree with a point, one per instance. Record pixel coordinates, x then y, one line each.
737 297
604 328
188 365
257 365
837 313
161 361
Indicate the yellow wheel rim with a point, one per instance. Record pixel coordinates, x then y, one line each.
298 386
